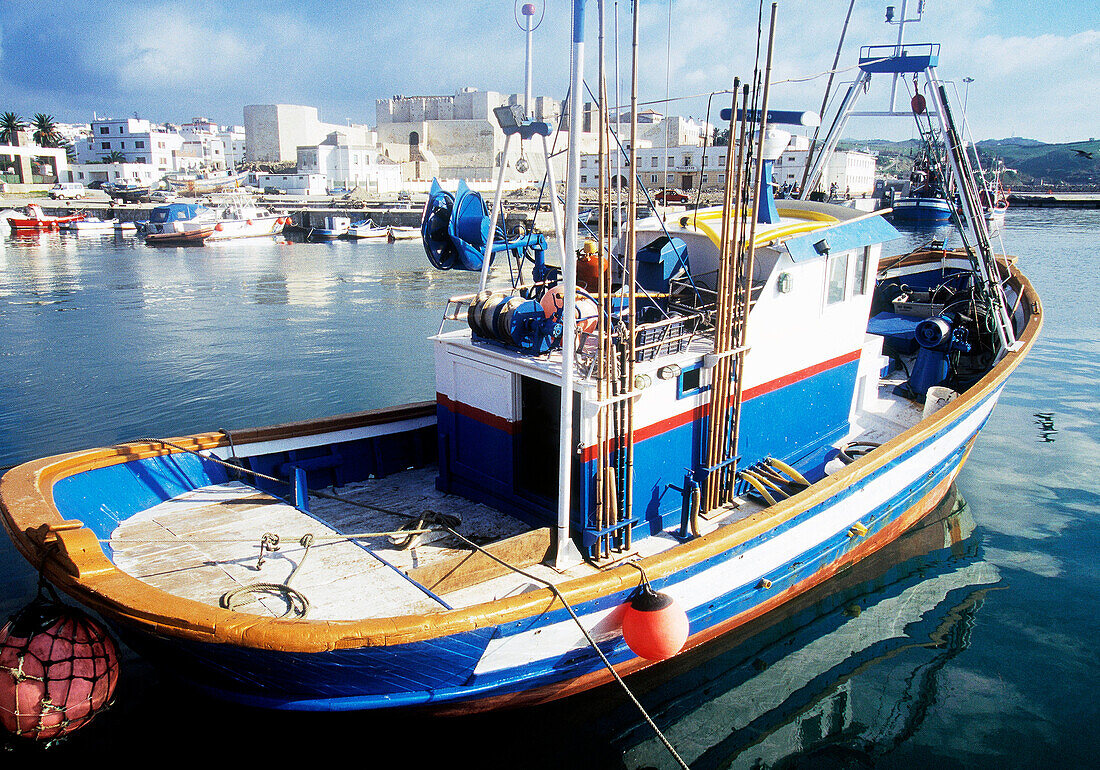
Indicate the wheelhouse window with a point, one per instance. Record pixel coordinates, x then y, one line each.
691 382
863 259
838 278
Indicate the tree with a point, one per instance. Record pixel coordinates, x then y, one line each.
114 157
720 137
10 126
45 131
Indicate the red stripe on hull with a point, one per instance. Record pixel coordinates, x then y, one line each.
684 418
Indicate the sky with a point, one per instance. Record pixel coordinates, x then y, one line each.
1035 66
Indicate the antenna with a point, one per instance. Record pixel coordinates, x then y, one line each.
527 10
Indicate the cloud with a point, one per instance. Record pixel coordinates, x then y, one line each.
171 61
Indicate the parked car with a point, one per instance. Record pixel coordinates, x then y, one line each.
274 191
68 190
671 196
162 196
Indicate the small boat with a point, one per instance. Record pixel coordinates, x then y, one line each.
180 224
242 219
366 229
403 233
621 462
92 225
994 197
37 221
926 202
126 227
334 227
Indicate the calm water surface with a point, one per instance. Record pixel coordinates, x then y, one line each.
970 644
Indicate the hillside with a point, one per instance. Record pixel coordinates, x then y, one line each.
1029 163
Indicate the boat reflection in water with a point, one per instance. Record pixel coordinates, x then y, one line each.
785 690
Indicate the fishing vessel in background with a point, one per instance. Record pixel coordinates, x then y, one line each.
37 221
927 201
638 444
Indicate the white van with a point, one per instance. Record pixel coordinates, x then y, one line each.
68 190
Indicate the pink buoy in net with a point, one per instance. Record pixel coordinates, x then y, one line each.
58 669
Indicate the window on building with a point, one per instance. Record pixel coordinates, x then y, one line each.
139 144
105 145
104 130
687 161
838 278
653 161
704 178
653 178
122 145
670 178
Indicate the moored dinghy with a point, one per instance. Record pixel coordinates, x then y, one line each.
482 550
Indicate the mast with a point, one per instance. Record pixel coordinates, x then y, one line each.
566 553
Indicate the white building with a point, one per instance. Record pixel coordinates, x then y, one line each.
202 141
134 174
851 171
458 136
136 140
274 132
28 163
347 164
291 184
683 168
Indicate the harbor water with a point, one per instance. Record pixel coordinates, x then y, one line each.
970 643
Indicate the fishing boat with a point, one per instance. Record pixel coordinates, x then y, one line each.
926 202
993 195
91 225
395 233
180 224
750 408
367 230
240 218
333 227
37 221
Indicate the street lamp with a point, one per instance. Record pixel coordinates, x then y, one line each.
966 95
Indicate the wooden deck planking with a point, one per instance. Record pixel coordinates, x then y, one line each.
204 543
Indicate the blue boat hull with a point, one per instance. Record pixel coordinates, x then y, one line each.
921 210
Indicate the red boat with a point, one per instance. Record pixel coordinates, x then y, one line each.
38 222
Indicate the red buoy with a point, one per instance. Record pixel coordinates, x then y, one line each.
219 227
919 104
58 669
655 627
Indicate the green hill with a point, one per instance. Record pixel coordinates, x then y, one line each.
1029 163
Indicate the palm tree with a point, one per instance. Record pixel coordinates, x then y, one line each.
114 157
45 130
10 126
